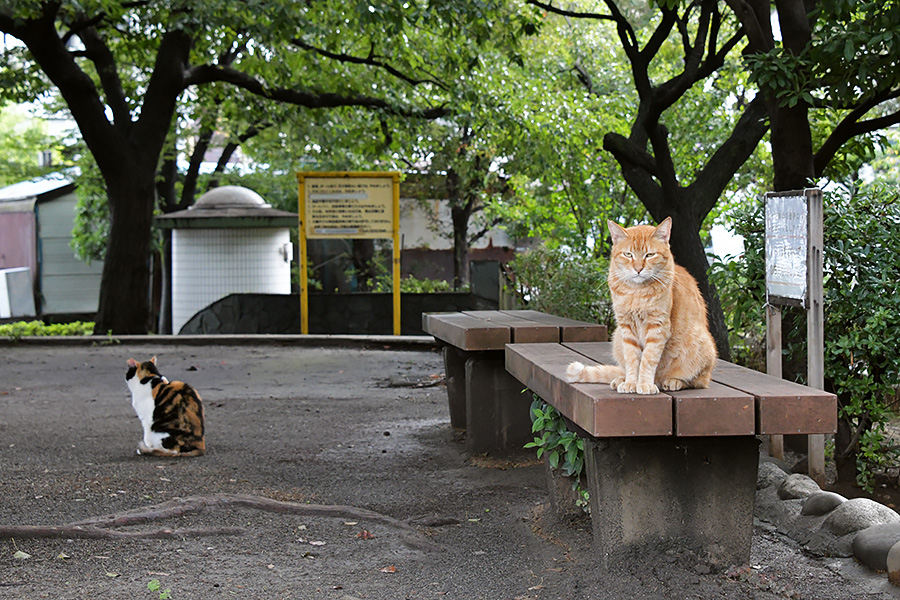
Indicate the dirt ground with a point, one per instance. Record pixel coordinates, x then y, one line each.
327 476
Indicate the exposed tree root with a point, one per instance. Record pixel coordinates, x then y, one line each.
102 527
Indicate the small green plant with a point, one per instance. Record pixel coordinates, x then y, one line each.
16 331
563 448
153 585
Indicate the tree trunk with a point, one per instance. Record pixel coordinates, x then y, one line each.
363 255
792 153
124 306
688 250
460 247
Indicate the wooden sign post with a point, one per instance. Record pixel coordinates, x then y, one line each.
794 239
349 205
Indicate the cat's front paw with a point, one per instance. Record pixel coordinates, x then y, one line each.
626 387
614 384
673 385
647 388
574 372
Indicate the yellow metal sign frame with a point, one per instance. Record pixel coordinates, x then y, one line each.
349 205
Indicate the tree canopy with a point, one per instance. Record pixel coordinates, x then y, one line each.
121 69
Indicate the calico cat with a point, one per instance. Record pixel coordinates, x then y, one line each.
171 413
662 338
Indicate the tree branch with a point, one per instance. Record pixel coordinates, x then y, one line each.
850 126
210 73
371 60
101 527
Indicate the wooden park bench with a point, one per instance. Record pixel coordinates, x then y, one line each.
484 399
674 469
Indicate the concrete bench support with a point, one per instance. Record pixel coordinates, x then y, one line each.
649 494
455 377
497 419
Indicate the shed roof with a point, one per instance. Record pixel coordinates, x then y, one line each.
40 188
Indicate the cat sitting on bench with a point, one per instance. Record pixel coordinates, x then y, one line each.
662 338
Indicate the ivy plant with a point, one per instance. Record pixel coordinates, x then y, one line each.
564 449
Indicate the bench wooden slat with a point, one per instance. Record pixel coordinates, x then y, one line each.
783 407
465 332
717 410
570 330
597 409
521 330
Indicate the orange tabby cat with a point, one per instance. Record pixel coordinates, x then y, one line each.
662 339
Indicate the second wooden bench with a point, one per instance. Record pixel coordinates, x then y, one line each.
484 399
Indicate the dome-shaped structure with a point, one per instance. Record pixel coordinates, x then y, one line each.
229 196
230 242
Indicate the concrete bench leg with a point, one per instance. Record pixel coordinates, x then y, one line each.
455 372
652 494
497 419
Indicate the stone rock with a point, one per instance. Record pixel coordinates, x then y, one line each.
872 545
857 514
893 564
823 543
797 486
820 503
769 474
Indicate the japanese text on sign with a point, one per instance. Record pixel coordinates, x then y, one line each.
349 207
786 247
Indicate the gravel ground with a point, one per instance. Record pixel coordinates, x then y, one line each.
325 478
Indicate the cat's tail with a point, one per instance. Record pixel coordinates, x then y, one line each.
579 373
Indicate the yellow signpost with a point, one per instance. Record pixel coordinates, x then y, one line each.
349 205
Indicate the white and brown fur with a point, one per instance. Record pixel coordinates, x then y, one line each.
170 413
662 338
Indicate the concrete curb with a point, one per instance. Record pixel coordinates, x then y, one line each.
827 524
394 342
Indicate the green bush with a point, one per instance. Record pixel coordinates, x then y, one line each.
862 318
22 329
563 283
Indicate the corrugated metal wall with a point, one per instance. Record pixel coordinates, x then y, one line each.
67 284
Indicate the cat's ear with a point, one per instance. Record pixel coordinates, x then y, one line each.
132 362
153 360
664 230
617 232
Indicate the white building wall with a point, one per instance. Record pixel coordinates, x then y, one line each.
209 264
418 219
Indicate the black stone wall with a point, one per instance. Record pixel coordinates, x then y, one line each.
360 314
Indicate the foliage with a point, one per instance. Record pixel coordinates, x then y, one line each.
20 329
862 315
22 139
563 449
91 226
740 283
412 285
154 586
564 283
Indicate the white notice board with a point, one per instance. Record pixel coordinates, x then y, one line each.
787 243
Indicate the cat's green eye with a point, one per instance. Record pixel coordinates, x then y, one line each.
650 255
627 254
